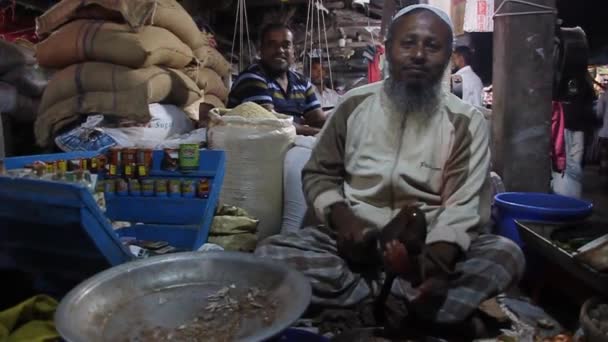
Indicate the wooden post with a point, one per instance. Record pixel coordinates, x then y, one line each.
522 86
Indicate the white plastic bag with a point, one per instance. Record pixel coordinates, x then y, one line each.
255 151
167 120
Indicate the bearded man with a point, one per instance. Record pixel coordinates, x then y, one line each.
404 142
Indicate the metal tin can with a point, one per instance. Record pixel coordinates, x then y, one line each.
144 157
84 164
203 189
116 155
147 187
51 167
70 177
188 157
122 187
62 165
142 170
130 170
129 156
134 187
94 165
175 188
103 161
160 187
100 186
113 170
170 159
109 187
188 188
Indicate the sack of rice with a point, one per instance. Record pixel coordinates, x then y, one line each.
213 59
14 55
255 142
209 81
214 101
110 90
91 40
168 14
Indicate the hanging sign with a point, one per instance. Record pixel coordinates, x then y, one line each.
478 16
458 7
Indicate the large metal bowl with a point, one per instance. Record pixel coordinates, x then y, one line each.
167 291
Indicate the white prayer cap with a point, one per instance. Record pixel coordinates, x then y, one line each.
440 13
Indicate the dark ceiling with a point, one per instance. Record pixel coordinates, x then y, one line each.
592 17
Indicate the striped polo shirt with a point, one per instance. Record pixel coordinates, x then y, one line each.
254 85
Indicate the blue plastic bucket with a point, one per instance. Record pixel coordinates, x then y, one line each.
511 206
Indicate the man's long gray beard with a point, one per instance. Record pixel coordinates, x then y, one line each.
408 99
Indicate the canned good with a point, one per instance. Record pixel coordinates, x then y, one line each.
116 155
84 164
147 187
160 187
109 187
144 157
113 171
188 157
40 169
170 160
130 170
51 167
122 187
188 188
129 156
103 161
204 187
134 187
62 165
100 186
94 164
175 188
70 177
142 170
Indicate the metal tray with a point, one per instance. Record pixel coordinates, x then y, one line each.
537 237
168 291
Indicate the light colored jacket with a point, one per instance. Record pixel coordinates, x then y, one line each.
602 113
472 87
378 160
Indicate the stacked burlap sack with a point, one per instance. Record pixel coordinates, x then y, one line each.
22 81
117 57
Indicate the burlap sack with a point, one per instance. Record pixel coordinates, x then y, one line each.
14 55
111 90
212 59
209 81
93 40
168 14
193 109
134 13
214 101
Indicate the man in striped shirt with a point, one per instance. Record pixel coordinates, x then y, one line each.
273 85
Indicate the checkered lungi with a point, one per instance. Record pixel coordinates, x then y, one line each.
490 266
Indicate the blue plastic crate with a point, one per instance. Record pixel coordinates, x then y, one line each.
50 227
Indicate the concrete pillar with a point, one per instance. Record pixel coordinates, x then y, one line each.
522 85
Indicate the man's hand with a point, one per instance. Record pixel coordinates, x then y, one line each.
306 130
353 233
396 259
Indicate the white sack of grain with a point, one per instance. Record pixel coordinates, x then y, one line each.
255 142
